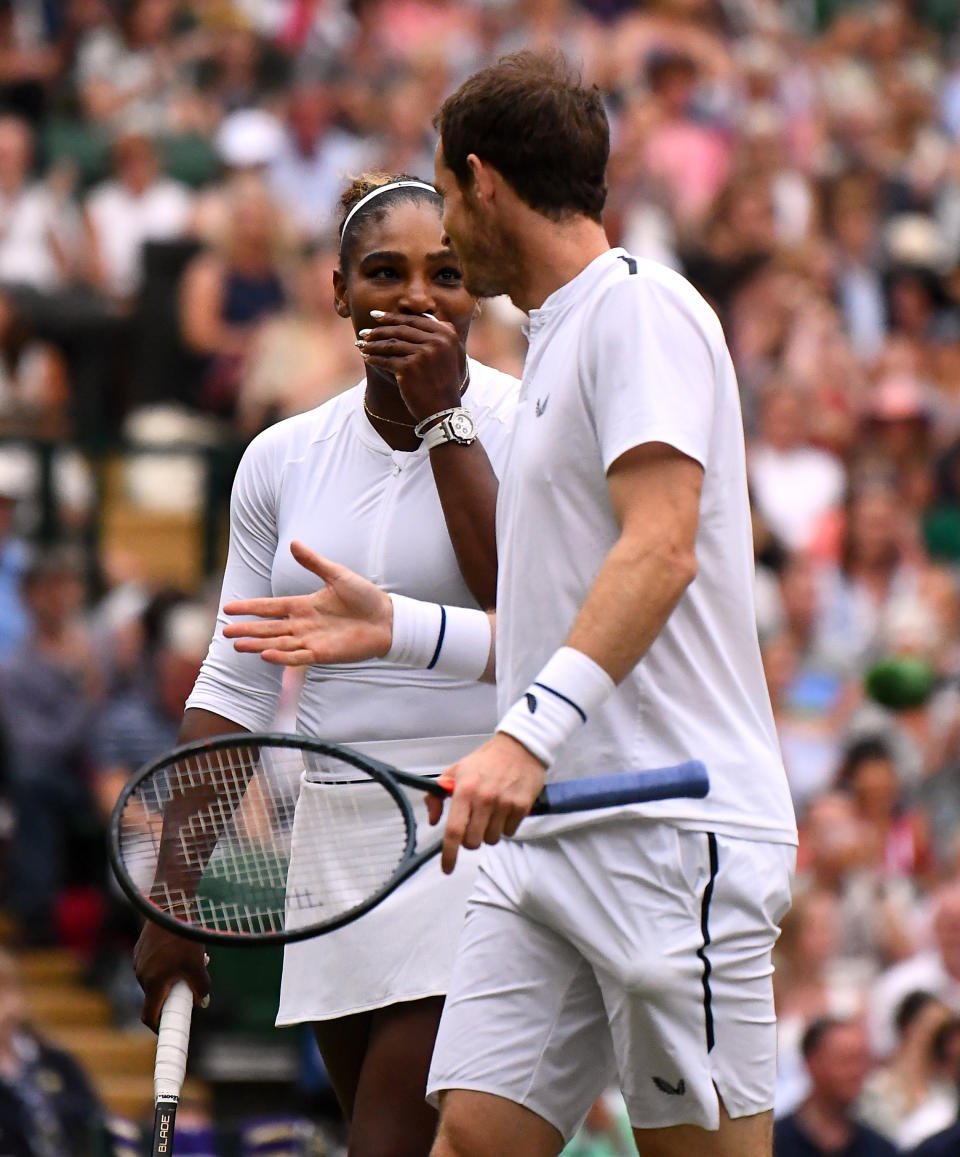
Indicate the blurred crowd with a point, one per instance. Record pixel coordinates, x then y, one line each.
169 174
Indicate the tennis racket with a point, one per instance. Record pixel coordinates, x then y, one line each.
256 839
171 1064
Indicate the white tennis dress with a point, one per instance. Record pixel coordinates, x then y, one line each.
328 479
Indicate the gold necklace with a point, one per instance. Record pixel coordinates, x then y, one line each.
410 425
381 418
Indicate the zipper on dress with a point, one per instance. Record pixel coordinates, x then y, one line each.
378 540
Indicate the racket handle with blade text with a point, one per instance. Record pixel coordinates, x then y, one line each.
173 1040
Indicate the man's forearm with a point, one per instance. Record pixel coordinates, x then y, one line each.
631 598
633 595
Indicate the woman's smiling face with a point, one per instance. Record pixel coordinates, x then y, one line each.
398 262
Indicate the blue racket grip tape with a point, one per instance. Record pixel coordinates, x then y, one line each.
688 779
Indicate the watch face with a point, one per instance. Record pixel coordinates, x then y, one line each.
463 426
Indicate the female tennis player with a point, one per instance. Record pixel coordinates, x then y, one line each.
353 480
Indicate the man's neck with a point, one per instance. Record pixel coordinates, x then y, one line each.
552 253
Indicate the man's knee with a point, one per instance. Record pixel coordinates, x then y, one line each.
484 1125
457 1133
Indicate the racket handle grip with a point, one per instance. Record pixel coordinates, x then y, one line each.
173 1041
625 787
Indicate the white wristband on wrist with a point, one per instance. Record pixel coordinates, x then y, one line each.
453 641
557 703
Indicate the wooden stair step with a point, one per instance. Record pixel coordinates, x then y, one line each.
45 966
131 1095
126 1094
108 1050
62 1005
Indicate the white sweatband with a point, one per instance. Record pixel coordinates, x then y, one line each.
557 703
453 641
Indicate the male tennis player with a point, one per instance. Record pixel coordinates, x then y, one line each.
634 946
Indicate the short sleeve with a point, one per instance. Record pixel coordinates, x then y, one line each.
651 369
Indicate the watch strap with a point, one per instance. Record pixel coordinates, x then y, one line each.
420 428
444 430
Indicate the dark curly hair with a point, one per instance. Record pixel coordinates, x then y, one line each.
379 207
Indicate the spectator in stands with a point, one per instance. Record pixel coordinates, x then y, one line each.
306 177
838 1059
38 225
811 980
33 377
48 692
878 561
47 1105
939 798
404 143
764 157
877 912
227 294
137 205
912 1097
246 143
854 224
687 155
130 73
899 422
300 357
900 837
807 734
141 721
14 556
794 484
29 58
232 72
935 970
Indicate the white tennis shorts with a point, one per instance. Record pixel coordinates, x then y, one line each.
631 953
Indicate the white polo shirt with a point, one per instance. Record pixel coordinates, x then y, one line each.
628 353
327 478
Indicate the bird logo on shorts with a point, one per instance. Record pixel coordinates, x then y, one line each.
531 703
676 1090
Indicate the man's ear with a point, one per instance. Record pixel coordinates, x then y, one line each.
340 303
485 178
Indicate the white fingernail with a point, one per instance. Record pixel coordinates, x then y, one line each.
365 333
205 1003
376 314
432 316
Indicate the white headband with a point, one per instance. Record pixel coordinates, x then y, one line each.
383 189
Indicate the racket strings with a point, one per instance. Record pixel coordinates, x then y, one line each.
255 839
